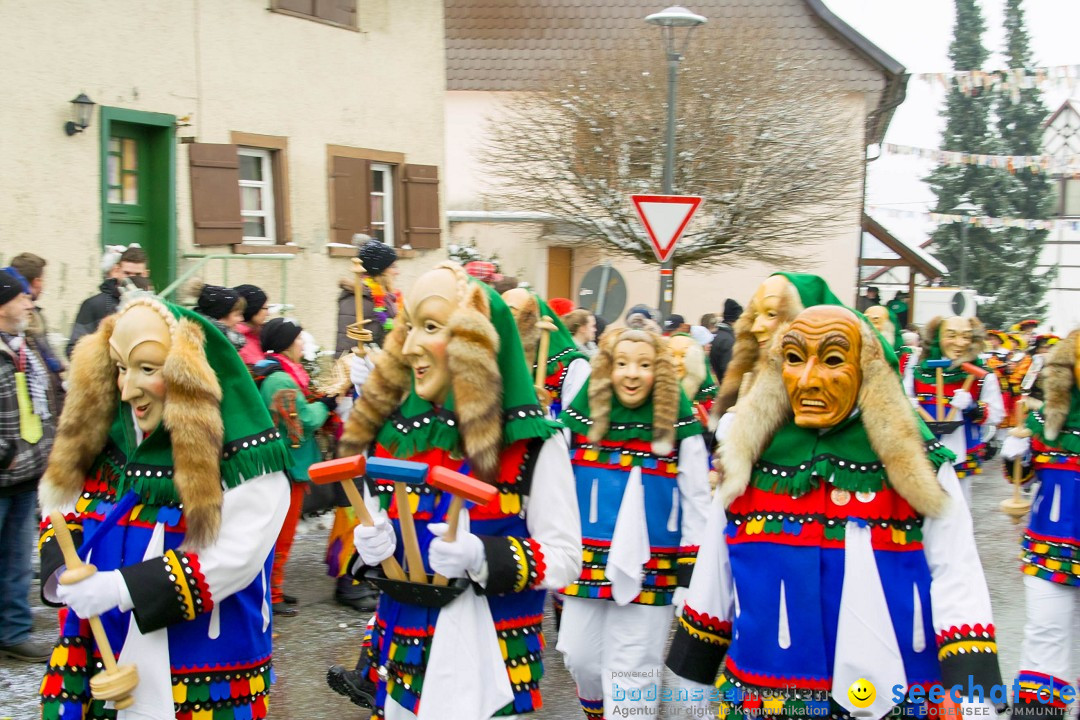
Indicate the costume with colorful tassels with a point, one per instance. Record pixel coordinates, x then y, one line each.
979 414
1050 555
567 367
199 630
671 508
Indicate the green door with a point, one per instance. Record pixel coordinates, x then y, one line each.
137 187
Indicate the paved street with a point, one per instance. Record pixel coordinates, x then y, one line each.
325 633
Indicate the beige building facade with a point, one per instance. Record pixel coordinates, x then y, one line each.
495 53
269 127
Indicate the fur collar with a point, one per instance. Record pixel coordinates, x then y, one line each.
1058 378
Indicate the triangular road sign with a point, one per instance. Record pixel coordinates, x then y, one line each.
665 217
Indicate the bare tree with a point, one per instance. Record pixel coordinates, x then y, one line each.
763 140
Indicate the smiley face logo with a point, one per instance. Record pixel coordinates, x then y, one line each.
862 693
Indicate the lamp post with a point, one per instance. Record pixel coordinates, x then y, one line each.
967 209
670 20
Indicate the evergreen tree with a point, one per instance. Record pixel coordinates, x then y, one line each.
1020 118
996 262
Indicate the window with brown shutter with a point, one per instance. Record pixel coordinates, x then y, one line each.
334 12
278 149
422 220
215 194
349 198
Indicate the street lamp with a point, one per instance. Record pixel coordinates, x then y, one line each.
967 209
670 21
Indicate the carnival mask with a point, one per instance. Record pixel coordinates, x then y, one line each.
955 338
878 315
678 345
634 372
139 345
518 299
821 369
767 305
428 307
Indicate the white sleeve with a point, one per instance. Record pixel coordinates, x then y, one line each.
958 592
909 375
575 378
991 395
552 514
694 494
251 518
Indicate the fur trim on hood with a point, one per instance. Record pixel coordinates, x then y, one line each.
1058 378
526 320
665 392
931 337
890 426
474 369
694 366
746 356
192 416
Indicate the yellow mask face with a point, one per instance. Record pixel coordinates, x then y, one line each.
139 346
428 307
518 299
678 345
767 306
822 374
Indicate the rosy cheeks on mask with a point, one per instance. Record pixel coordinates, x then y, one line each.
634 372
141 381
426 348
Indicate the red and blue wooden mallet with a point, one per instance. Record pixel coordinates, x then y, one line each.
343 470
402 473
463 488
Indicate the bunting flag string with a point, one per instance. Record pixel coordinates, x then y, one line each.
978 220
1068 165
1010 80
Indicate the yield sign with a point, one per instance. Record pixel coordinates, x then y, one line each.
665 217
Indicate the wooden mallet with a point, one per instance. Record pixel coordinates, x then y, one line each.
402 473
463 488
357 331
546 326
974 372
1016 507
116 682
343 470
939 367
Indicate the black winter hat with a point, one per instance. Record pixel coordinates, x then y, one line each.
254 297
673 322
10 287
278 334
216 301
732 310
376 256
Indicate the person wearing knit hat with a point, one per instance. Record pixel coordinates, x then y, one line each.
255 312
27 424
224 308
451 389
285 388
832 492
379 295
171 473
640 467
724 338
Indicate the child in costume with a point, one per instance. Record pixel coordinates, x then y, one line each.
840 547
451 389
567 367
175 487
692 369
1051 544
642 488
960 340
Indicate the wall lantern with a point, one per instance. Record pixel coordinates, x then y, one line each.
82 109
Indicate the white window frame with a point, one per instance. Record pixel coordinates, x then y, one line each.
266 190
387 196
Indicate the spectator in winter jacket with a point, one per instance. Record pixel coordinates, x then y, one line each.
27 426
724 339
30 270
224 307
380 303
255 313
284 389
131 266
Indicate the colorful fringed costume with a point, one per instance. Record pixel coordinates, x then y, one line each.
530 531
642 491
844 552
188 514
1051 544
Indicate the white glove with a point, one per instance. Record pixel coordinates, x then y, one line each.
455 559
679 600
988 432
359 369
97 594
962 400
724 426
1015 447
375 543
